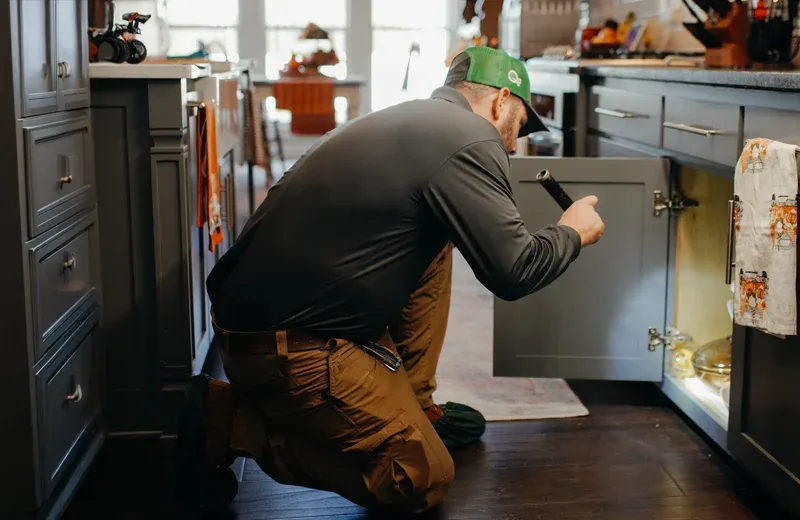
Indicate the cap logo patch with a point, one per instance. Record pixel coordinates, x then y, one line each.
514 78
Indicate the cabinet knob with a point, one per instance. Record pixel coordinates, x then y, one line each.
70 262
75 396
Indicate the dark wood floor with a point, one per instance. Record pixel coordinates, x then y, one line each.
630 459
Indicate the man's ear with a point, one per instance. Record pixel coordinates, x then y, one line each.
499 102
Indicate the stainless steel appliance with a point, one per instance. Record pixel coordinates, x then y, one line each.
554 96
527 27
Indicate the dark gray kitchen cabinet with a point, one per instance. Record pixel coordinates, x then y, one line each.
52 348
614 312
155 254
72 67
765 415
53 54
594 321
754 417
36 49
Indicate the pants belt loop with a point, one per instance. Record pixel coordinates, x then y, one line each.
283 345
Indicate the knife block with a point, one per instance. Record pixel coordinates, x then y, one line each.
732 33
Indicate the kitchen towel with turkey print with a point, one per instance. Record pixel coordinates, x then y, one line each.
209 189
765 227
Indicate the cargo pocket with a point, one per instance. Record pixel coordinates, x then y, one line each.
370 443
357 393
405 471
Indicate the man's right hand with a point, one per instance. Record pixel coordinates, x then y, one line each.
583 218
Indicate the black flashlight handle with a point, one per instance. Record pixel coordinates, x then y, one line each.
554 189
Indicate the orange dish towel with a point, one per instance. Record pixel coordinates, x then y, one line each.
209 188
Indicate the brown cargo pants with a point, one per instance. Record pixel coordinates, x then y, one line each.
336 419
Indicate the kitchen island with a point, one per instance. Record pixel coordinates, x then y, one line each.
154 255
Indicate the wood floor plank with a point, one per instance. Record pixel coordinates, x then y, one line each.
623 462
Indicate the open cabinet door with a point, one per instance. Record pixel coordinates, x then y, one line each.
592 323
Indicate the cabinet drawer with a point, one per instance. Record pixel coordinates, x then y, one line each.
603 147
58 169
62 280
626 114
778 125
68 399
709 131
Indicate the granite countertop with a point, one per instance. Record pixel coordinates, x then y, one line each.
657 70
772 80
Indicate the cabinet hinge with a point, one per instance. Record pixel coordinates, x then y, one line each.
660 203
655 339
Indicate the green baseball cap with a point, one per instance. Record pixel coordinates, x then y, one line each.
495 68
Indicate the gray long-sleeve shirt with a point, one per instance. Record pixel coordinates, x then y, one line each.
341 241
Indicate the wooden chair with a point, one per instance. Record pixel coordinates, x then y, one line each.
276 138
310 100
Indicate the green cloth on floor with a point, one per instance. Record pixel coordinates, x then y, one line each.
460 426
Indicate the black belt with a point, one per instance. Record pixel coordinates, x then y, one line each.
282 342
279 342
270 342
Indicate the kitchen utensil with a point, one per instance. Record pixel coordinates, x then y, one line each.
680 347
712 362
696 10
699 31
722 7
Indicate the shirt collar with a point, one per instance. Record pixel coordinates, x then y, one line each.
452 95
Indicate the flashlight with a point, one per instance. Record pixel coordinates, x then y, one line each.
554 189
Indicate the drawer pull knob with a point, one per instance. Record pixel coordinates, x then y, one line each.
708 132
77 395
70 263
616 113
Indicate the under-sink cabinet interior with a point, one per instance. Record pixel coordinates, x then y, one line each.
698 340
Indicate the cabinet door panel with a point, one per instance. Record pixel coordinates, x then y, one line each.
73 67
765 415
592 323
37 57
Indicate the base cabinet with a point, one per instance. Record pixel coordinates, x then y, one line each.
52 422
653 300
650 301
765 417
155 252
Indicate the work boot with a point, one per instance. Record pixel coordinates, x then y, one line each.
203 477
458 425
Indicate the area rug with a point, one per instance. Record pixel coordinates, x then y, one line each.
464 374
